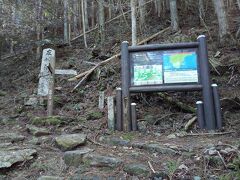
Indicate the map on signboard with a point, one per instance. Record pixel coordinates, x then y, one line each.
147 68
180 67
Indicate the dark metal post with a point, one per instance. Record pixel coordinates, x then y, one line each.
134 116
205 80
217 106
200 114
119 123
125 86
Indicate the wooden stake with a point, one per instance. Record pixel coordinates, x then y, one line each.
111 115
101 100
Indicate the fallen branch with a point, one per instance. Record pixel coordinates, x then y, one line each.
224 163
208 134
190 123
180 105
86 74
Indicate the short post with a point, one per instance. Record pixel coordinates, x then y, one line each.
134 116
217 105
125 87
200 114
209 115
111 116
119 125
101 100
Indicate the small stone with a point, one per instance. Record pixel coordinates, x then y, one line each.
183 166
212 152
75 158
101 161
36 131
196 178
70 141
136 169
50 178
171 136
32 101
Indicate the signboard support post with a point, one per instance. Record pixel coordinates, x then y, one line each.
119 109
125 86
217 106
134 116
200 114
207 90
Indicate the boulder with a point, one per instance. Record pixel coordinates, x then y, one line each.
11 137
36 131
75 158
101 161
70 141
50 178
10 157
136 169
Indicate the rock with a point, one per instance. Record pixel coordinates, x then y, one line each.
70 141
11 137
36 131
115 141
10 157
83 177
44 121
101 161
32 101
149 119
7 120
196 178
171 136
75 158
3 93
183 167
94 115
158 148
136 169
138 145
50 178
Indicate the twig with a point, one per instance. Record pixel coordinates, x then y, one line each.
224 163
162 118
151 167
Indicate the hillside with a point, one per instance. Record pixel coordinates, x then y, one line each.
76 143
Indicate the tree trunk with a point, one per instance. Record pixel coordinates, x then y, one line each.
75 22
174 15
93 15
134 22
83 23
238 2
222 19
142 13
65 16
86 15
201 10
38 27
101 21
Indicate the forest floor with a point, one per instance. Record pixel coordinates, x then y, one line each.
33 147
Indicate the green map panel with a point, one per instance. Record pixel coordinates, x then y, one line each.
148 75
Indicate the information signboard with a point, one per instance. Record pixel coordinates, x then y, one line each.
164 67
168 67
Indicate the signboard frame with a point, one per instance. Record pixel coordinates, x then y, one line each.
203 84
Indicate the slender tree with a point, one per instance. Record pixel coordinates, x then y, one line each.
222 19
134 22
38 26
83 22
174 15
142 13
65 17
101 21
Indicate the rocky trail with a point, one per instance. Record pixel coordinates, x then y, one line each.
76 144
